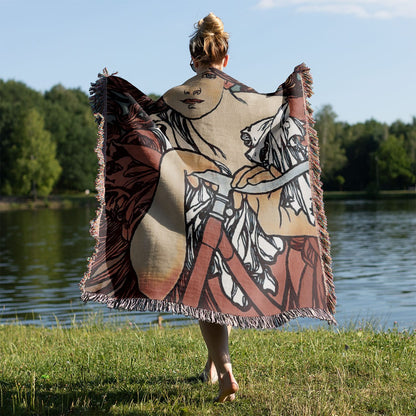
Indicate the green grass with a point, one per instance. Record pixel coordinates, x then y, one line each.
109 369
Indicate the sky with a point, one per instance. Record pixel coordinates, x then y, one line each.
362 53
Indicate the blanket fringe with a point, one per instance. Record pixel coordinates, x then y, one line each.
98 102
317 192
255 322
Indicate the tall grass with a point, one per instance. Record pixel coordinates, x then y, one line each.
119 369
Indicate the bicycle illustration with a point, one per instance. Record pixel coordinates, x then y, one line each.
215 239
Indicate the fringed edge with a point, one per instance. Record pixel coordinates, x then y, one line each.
98 93
317 192
98 103
255 322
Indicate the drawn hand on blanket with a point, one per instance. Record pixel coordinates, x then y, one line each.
249 175
195 182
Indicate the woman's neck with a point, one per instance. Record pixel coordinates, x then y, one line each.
204 68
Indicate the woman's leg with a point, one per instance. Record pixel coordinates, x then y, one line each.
210 374
216 339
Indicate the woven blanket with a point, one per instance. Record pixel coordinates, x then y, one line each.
210 202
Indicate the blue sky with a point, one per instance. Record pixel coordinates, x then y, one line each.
361 53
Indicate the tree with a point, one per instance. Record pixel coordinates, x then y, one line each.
9 114
35 167
408 133
153 96
394 164
14 96
332 155
15 92
43 134
361 143
71 122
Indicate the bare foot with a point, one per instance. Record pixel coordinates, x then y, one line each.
209 375
228 388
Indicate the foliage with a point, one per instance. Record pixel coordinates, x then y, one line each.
153 96
332 154
71 122
359 157
110 369
15 98
71 132
365 156
394 163
35 167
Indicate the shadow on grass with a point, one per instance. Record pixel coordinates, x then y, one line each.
103 396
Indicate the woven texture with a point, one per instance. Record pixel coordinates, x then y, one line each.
210 202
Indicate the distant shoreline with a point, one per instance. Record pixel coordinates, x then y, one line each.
63 201
344 195
66 201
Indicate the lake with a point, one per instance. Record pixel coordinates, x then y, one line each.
43 257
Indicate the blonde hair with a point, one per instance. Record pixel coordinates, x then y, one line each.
209 42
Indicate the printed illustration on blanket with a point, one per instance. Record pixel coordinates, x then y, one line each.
210 202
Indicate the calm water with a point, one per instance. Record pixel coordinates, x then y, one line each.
43 257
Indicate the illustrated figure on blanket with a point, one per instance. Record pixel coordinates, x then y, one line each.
230 220
211 204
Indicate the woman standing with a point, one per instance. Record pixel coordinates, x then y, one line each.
209 49
211 203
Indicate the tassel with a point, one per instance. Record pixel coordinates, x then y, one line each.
316 188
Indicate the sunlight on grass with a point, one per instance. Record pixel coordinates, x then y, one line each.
118 369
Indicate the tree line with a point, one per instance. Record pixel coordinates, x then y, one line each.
367 156
47 140
47 143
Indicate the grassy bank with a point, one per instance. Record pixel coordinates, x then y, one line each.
103 369
347 195
63 201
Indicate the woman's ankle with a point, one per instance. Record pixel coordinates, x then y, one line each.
227 387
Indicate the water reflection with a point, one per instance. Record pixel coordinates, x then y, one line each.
43 257
373 247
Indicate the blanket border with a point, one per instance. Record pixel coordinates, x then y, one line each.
316 188
98 102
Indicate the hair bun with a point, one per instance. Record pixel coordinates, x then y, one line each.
209 43
211 25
